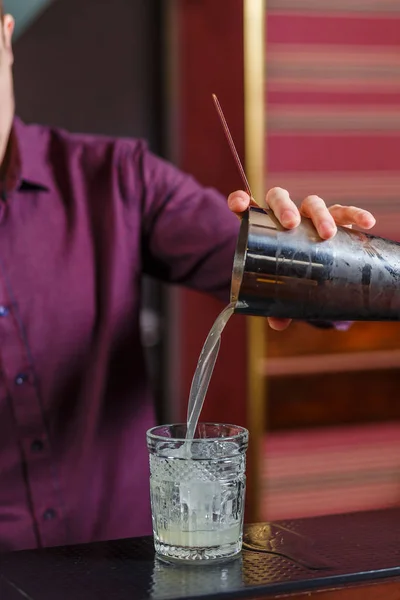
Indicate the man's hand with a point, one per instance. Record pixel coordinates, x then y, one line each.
324 218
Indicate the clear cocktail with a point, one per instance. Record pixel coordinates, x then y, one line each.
197 491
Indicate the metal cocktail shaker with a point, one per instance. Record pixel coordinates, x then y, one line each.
295 274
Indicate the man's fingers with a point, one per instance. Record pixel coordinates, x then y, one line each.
351 215
315 208
238 201
283 207
278 324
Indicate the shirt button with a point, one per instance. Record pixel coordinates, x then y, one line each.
4 311
21 378
49 514
37 446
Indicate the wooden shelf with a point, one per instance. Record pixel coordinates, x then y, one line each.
330 363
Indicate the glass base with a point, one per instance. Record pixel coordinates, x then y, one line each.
197 555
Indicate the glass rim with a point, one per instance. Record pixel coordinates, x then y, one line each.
152 436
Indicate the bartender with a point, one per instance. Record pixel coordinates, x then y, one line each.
82 219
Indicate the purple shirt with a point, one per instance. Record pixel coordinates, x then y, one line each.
81 219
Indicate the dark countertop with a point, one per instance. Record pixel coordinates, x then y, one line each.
302 555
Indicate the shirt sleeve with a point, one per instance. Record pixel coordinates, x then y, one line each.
188 232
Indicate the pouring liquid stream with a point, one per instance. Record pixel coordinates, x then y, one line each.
209 353
204 371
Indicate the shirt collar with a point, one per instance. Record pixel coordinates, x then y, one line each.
30 159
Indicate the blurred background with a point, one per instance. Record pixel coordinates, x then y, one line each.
326 403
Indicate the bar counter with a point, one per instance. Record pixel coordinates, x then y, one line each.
338 557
